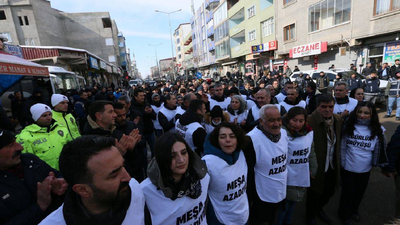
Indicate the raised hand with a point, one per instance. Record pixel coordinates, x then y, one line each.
44 193
58 185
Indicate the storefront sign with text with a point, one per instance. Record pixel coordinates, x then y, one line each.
308 49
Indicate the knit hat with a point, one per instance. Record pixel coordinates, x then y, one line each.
6 137
216 112
38 109
154 95
57 98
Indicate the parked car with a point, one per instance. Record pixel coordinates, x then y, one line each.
346 74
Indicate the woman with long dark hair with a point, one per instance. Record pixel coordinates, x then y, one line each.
177 186
301 158
227 168
362 146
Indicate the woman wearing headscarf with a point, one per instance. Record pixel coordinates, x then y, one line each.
177 184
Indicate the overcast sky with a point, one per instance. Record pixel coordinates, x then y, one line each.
139 23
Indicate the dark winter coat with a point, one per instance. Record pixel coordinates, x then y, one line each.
316 121
18 205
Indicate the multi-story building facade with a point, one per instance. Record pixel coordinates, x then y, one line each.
252 36
35 23
179 35
166 67
318 33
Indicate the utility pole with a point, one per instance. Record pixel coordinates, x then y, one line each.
158 67
172 46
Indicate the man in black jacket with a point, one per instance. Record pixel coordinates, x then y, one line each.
384 71
101 121
190 126
30 189
133 157
395 68
138 103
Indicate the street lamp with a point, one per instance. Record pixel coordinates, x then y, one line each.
158 67
170 33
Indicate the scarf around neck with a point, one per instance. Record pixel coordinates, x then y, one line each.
272 137
189 185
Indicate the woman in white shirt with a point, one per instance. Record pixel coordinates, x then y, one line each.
227 168
238 110
363 146
301 161
176 189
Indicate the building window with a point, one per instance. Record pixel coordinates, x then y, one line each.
289 32
111 58
328 13
179 48
252 35
26 20
268 27
21 22
251 11
109 42
384 6
178 40
287 1
265 4
2 15
106 22
179 56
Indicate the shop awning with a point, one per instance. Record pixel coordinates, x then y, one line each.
13 69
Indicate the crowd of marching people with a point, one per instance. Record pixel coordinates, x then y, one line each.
234 151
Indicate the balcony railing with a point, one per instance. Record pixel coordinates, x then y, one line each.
210 32
211 46
209 17
210 4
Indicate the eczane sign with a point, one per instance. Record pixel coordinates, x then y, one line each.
315 48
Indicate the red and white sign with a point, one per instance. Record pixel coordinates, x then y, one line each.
272 45
315 62
308 49
13 65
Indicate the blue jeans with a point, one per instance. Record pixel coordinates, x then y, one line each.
391 101
285 212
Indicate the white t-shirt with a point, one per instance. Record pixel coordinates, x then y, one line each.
360 149
350 106
134 214
227 190
299 149
223 105
239 117
287 107
280 97
156 109
187 132
181 211
270 169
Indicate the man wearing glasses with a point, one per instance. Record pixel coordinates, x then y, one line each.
326 126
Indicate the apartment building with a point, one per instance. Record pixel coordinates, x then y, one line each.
251 34
36 23
318 33
180 33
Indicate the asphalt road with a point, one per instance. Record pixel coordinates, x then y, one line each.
378 205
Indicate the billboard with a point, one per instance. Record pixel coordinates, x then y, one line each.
391 52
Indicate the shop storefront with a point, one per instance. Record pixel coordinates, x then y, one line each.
263 56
